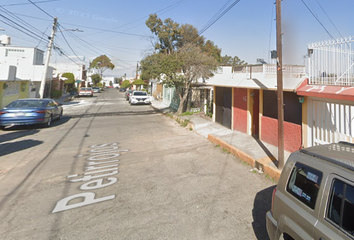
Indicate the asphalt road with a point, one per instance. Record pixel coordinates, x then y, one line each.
108 170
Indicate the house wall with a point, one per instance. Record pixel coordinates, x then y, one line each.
292 133
11 91
292 120
240 110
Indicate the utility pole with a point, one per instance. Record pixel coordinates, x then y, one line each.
137 70
50 45
280 88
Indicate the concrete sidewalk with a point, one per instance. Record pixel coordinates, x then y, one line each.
258 154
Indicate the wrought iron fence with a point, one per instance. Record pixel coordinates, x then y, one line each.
332 62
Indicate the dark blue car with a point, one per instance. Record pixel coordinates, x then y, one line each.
30 111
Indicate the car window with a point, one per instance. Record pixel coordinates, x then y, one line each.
83 89
304 183
341 206
139 93
27 104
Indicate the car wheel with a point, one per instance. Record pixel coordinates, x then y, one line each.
47 124
2 127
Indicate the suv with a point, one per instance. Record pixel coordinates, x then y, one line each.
314 198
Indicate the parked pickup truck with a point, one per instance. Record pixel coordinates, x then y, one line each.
86 91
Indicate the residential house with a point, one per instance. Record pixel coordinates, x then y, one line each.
245 99
328 94
78 70
23 70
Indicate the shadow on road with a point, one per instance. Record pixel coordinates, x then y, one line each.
5 137
8 148
262 204
30 129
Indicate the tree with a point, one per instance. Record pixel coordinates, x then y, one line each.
125 84
181 56
181 69
232 61
102 63
139 83
69 83
70 78
167 33
96 78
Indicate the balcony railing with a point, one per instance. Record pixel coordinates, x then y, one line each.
270 70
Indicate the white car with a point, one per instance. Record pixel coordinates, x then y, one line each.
139 97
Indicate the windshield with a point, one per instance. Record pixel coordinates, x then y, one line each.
140 94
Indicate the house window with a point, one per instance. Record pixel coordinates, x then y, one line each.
15 53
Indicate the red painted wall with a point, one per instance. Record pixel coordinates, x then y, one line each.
240 110
292 134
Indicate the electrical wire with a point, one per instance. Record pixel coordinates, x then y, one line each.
17 4
329 19
18 27
10 14
212 22
318 20
271 28
61 31
40 9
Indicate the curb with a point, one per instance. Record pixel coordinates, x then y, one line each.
262 163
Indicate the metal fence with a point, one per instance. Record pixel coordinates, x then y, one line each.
332 62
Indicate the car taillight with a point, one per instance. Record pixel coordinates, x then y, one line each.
273 195
41 111
3 112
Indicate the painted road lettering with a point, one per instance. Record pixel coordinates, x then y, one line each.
107 151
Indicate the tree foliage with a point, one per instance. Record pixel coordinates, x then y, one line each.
232 61
102 63
125 84
96 78
181 56
70 78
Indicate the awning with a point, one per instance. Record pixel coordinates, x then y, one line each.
332 92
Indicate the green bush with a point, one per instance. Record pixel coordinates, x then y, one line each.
56 94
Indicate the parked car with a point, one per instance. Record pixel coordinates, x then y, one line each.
30 111
127 94
314 198
122 90
86 91
139 97
96 89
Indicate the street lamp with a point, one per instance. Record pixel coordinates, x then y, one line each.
50 46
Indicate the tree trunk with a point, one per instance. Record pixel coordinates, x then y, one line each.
182 99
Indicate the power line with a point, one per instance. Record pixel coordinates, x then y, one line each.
17 4
5 11
67 42
18 26
210 23
329 19
318 20
40 9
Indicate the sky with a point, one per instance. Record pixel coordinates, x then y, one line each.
117 28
